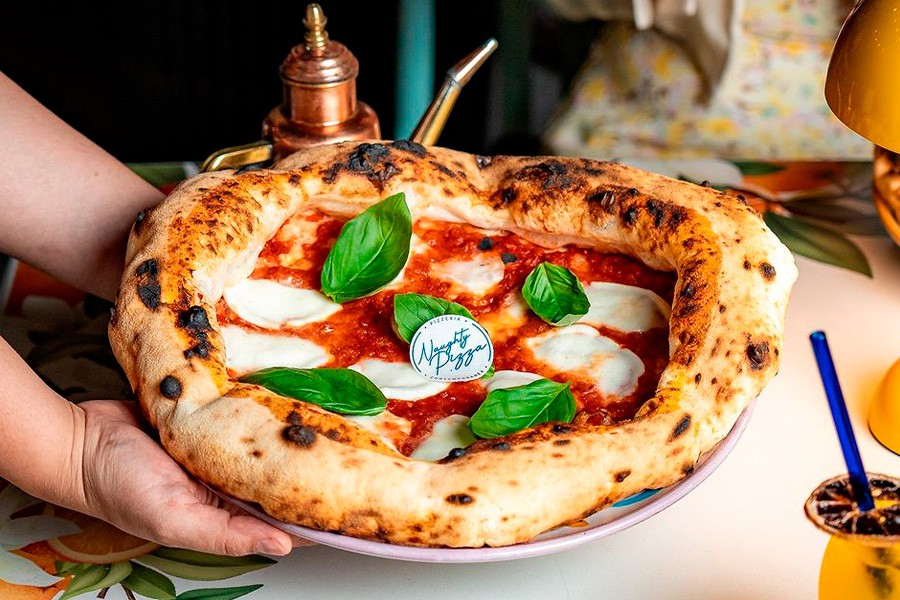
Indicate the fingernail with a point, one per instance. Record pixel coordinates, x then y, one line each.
270 546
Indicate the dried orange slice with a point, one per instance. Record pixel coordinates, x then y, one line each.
833 509
98 542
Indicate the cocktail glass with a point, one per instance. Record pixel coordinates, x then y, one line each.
862 558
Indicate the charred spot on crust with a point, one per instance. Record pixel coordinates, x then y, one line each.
444 169
687 291
170 387
657 212
697 378
139 220
767 270
758 355
562 442
687 470
552 175
200 349
682 426
501 446
622 476
409 146
459 499
483 161
368 160
562 428
294 418
677 214
629 215
747 265
456 453
148 288
300 435
509 195
194 319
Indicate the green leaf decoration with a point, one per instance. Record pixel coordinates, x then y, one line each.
852 216
343 391
96 577
757 168
509 410
149 583
200 566
818 243
555 294
370 251
411 311
219 594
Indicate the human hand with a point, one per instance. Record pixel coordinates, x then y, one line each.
130 481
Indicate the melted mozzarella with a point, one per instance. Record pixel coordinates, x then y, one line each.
388 426
509 379
581 348
624 307
476 276
398 380
505 320
246 351
449 433
273 305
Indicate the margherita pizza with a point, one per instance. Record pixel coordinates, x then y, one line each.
427 347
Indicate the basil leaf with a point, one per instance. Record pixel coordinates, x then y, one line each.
370 251
342 391
411 311
509 410
555 294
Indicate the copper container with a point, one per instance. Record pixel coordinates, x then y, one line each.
320 104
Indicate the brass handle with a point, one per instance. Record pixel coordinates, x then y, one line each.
236 157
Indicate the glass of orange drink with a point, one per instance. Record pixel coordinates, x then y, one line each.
862 558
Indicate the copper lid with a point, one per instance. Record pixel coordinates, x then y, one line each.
319 61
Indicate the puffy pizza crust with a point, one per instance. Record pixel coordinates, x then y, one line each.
304 465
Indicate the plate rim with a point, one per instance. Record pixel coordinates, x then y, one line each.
653 505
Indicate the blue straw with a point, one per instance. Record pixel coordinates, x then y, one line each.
858 480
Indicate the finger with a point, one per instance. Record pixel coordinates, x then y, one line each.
208 529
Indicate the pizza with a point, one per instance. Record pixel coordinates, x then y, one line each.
271 330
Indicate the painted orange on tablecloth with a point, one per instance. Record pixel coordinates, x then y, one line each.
98 542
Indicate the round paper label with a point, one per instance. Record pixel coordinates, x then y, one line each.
451 348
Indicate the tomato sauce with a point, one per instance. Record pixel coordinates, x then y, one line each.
363 328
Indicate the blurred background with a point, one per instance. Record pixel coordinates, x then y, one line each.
177 80
172 81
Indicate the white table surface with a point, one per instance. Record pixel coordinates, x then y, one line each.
740 535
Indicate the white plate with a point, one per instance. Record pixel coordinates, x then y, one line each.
608 521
